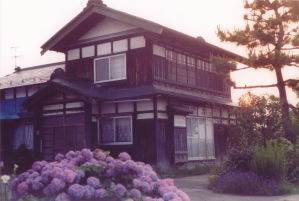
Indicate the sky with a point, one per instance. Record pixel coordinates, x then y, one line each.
28 24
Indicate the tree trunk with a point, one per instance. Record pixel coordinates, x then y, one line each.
285 105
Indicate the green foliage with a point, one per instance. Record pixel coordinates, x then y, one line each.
258 119
270 162
239 159
216 169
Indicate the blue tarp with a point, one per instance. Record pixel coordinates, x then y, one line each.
10 108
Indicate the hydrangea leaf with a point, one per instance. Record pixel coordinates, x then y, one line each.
97 169
32 198
109 192
106 183
107 153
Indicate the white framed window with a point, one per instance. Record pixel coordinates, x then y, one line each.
110 68
200 138
115 130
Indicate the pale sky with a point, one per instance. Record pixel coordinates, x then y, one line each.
28 24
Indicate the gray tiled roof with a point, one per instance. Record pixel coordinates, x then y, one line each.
85 88
29 76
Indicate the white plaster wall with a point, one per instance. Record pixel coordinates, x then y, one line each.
9 93
179 121
120 46
73 54
21 92
162 103
32 89
145 116
125 107
158 50
88 51
104 48
224 112
107 26
145 105
137 42
74 105
201 111
162 116
107 108
53 107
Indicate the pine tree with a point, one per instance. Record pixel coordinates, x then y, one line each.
270 35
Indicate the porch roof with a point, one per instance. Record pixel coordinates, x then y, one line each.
87 91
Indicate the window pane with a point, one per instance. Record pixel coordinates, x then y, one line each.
118 67
107 130
102 70
123 129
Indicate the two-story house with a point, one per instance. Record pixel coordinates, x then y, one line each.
131 85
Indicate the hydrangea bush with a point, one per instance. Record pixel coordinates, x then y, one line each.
84 175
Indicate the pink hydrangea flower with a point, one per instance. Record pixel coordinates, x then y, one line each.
169 181
124 156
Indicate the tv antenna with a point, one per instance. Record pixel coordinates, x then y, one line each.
16 56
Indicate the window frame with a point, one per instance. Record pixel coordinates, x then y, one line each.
111 56
206 157
113 143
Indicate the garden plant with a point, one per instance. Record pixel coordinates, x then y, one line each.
87 175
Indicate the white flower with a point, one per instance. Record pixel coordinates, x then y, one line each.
15 167
5 178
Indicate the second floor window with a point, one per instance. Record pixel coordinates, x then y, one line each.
110 68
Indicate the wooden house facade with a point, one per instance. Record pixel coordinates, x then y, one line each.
131 85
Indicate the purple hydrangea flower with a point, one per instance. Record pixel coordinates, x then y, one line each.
59 157
136 183
169 196
87 164
16 196
54 187
93 182
120 190
88 192
164 190
23 176
140 163
87 154
109 159
14 185
36 185
63 197
148 199
183 195
69 176
112 185
129 199
101 155
118 165
145 187
79 174
100 193
147 167
160 183
71 154
30 171
37 166
46 176
139 170
23 188
146 178
32 177
74 161
135 193
124 156
76 191
151 174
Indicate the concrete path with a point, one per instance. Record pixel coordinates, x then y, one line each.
196 188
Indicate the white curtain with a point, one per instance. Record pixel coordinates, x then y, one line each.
23 134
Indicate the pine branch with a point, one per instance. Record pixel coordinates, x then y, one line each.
294 48
295 110
258 86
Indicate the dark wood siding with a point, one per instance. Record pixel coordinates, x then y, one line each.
162 135
180 145
145 141
139 72
80 68
221 135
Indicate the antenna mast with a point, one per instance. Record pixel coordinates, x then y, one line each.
15 48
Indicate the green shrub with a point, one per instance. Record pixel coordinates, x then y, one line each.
270 162
175 172
217 169
239 159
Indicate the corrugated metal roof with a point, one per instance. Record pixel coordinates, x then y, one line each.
29 76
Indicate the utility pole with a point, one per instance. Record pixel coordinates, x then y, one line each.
15 48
